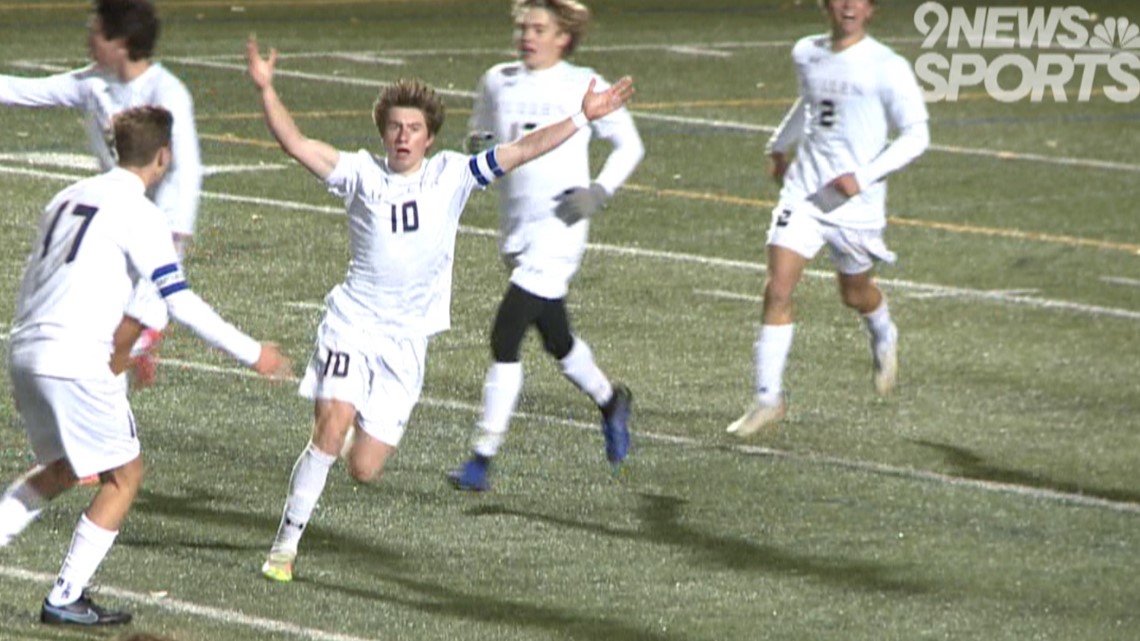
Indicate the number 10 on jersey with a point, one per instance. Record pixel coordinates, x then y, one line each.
408 218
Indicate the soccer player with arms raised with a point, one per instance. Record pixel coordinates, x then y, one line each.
94 240
854 91
544 222
367 369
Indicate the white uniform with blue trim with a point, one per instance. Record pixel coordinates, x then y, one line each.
94 239
542 251
372 342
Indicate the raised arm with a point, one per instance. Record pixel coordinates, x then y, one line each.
595 104
318 157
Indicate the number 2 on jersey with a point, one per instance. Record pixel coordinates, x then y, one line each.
86 212
827 113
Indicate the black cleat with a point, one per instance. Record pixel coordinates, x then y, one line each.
82 612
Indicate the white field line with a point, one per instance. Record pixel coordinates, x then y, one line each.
302 75
505 52
709 261
228 617
1089 163
215 62
368 58
1117 280
926 291
753 450
699 51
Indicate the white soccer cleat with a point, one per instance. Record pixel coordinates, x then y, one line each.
757 418
886 355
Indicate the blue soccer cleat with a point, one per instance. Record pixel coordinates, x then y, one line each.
472 475
615 424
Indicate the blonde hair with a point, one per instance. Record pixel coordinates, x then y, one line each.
572 17
413 93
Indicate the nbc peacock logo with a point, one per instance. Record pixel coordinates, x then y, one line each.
1115 33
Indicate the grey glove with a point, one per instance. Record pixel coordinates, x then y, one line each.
478 141
577 203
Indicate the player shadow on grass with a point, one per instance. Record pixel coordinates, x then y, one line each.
200 507
484 607
660 518
968 464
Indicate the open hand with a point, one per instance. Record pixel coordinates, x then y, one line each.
598 104
272 364
260 70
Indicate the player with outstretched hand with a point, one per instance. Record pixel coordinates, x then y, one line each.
94 240
367 368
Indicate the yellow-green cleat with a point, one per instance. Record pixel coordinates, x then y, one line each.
278 566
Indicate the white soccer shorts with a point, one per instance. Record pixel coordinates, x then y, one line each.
550 258
381 376
88 422
853 251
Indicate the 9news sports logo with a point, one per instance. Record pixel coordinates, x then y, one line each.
1072 52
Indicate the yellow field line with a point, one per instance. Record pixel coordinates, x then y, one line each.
727 199
304 115
234 5
1016 233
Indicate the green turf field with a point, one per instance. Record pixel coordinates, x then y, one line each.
995 496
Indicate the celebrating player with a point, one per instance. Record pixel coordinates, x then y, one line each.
544 221
853 91
367 369
94 240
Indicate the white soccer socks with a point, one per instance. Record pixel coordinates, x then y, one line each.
500 394
580 368
771 357
310 473
19 506
89 546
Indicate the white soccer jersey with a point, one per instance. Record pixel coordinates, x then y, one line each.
100 97
94 239
402 239
512 101
849 103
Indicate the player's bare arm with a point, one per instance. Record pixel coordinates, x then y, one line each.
595 105
126 334
778 164
318 157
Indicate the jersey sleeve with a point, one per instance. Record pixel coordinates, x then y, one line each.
61 90
902 97
619 129
345 177
482 118
906 111
152 255
180 192
790 130
150 252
